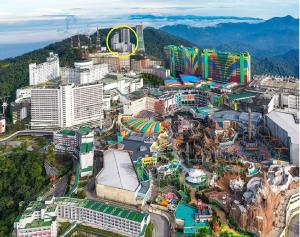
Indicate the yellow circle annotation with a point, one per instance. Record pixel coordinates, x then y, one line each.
116 53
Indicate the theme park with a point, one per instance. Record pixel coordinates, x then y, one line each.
192 145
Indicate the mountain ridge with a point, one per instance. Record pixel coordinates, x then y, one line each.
15 74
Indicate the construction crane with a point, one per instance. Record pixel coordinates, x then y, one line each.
4 104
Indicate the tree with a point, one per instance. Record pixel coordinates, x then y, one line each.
22 177
50 157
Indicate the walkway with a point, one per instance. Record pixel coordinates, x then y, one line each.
27 133
160 224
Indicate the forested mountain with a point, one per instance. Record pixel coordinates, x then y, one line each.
273 44
14 71
272 37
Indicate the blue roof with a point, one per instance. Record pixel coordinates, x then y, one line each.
189 78
187 214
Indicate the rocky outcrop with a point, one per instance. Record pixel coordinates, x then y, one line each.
264 201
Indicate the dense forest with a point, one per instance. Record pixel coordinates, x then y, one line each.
22 177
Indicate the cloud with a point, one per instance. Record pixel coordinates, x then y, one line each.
256 8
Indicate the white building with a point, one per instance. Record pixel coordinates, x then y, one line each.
86 157
2 125
123 83
37 220
84 72
136 106
66 141
284 101
20 109
157 71
23 93
106 102
41 73
115 40
41 218
45 108
125 35
284 126
115 63
118 180
67 106
79 143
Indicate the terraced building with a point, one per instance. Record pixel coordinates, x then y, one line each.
41 218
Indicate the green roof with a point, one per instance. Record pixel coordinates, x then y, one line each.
106 208
67 132
240 96
84 130
38 223
87 169
51 208
86 147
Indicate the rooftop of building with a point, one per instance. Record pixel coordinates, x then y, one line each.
84 130
67 132
39 223
35 206
187 213
86 147
221 116
287 122
134 145
118 171
241 96
104 208
82 203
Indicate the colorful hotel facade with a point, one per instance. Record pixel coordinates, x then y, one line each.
183 59
212 65
226 67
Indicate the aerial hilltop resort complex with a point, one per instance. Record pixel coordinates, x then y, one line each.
192 145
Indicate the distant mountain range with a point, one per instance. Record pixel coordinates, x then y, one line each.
271 43
14 71
273 36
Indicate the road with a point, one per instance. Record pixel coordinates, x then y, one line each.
293 228
160 224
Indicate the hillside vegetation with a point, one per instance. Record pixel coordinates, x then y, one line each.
14 71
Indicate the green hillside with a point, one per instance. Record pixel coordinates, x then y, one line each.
14 71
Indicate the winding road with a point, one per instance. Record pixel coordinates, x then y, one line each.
160 224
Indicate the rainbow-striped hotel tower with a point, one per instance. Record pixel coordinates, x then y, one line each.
226 67
183 60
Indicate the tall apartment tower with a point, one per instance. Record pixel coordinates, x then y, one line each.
41 73
45 108
98 41
125 36
139 31
115 40
67 106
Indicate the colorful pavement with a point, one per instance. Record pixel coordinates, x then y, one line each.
142 125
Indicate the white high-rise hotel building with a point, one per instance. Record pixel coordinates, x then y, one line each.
67 106
77 100
40 73
84 72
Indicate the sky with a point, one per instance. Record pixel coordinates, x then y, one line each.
36 21
20 10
